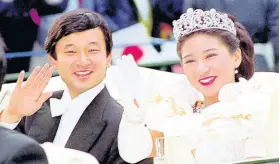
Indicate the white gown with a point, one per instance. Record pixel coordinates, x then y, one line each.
232 128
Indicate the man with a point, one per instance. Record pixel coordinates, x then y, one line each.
16 148
84 116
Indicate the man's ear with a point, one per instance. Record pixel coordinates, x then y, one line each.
237 57
109 60
52 61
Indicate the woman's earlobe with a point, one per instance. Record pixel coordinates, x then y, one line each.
238 58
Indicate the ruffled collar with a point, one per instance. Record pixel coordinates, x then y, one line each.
228 93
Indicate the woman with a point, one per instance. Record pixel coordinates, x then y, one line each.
216 52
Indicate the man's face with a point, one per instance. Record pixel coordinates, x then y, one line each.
82 60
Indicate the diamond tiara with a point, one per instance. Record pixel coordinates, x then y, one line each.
195 20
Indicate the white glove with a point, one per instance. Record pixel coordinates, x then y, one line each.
132 89
130 79
134 139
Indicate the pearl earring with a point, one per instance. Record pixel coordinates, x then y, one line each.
236 71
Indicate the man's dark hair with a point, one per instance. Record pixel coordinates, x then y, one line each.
3 64
77 21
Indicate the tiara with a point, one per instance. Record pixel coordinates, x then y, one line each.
195 20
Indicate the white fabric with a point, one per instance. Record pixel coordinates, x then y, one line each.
56 154
9 125
133 114
128 79
58 107
128 141
73 112
233 139
230 127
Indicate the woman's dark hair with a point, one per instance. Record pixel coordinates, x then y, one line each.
77 21
242 40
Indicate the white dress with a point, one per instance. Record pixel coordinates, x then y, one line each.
232 128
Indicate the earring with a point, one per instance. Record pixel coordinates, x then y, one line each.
236 71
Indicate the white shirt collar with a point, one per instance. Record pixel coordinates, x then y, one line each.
86 96
59 107
74 110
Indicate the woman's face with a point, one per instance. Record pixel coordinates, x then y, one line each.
208 63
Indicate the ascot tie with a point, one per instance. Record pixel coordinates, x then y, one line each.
58 107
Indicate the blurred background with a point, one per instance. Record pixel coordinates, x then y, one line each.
142 28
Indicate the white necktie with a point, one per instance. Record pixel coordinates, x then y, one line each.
58 107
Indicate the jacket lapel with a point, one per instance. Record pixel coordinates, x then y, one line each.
90 125
44 126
